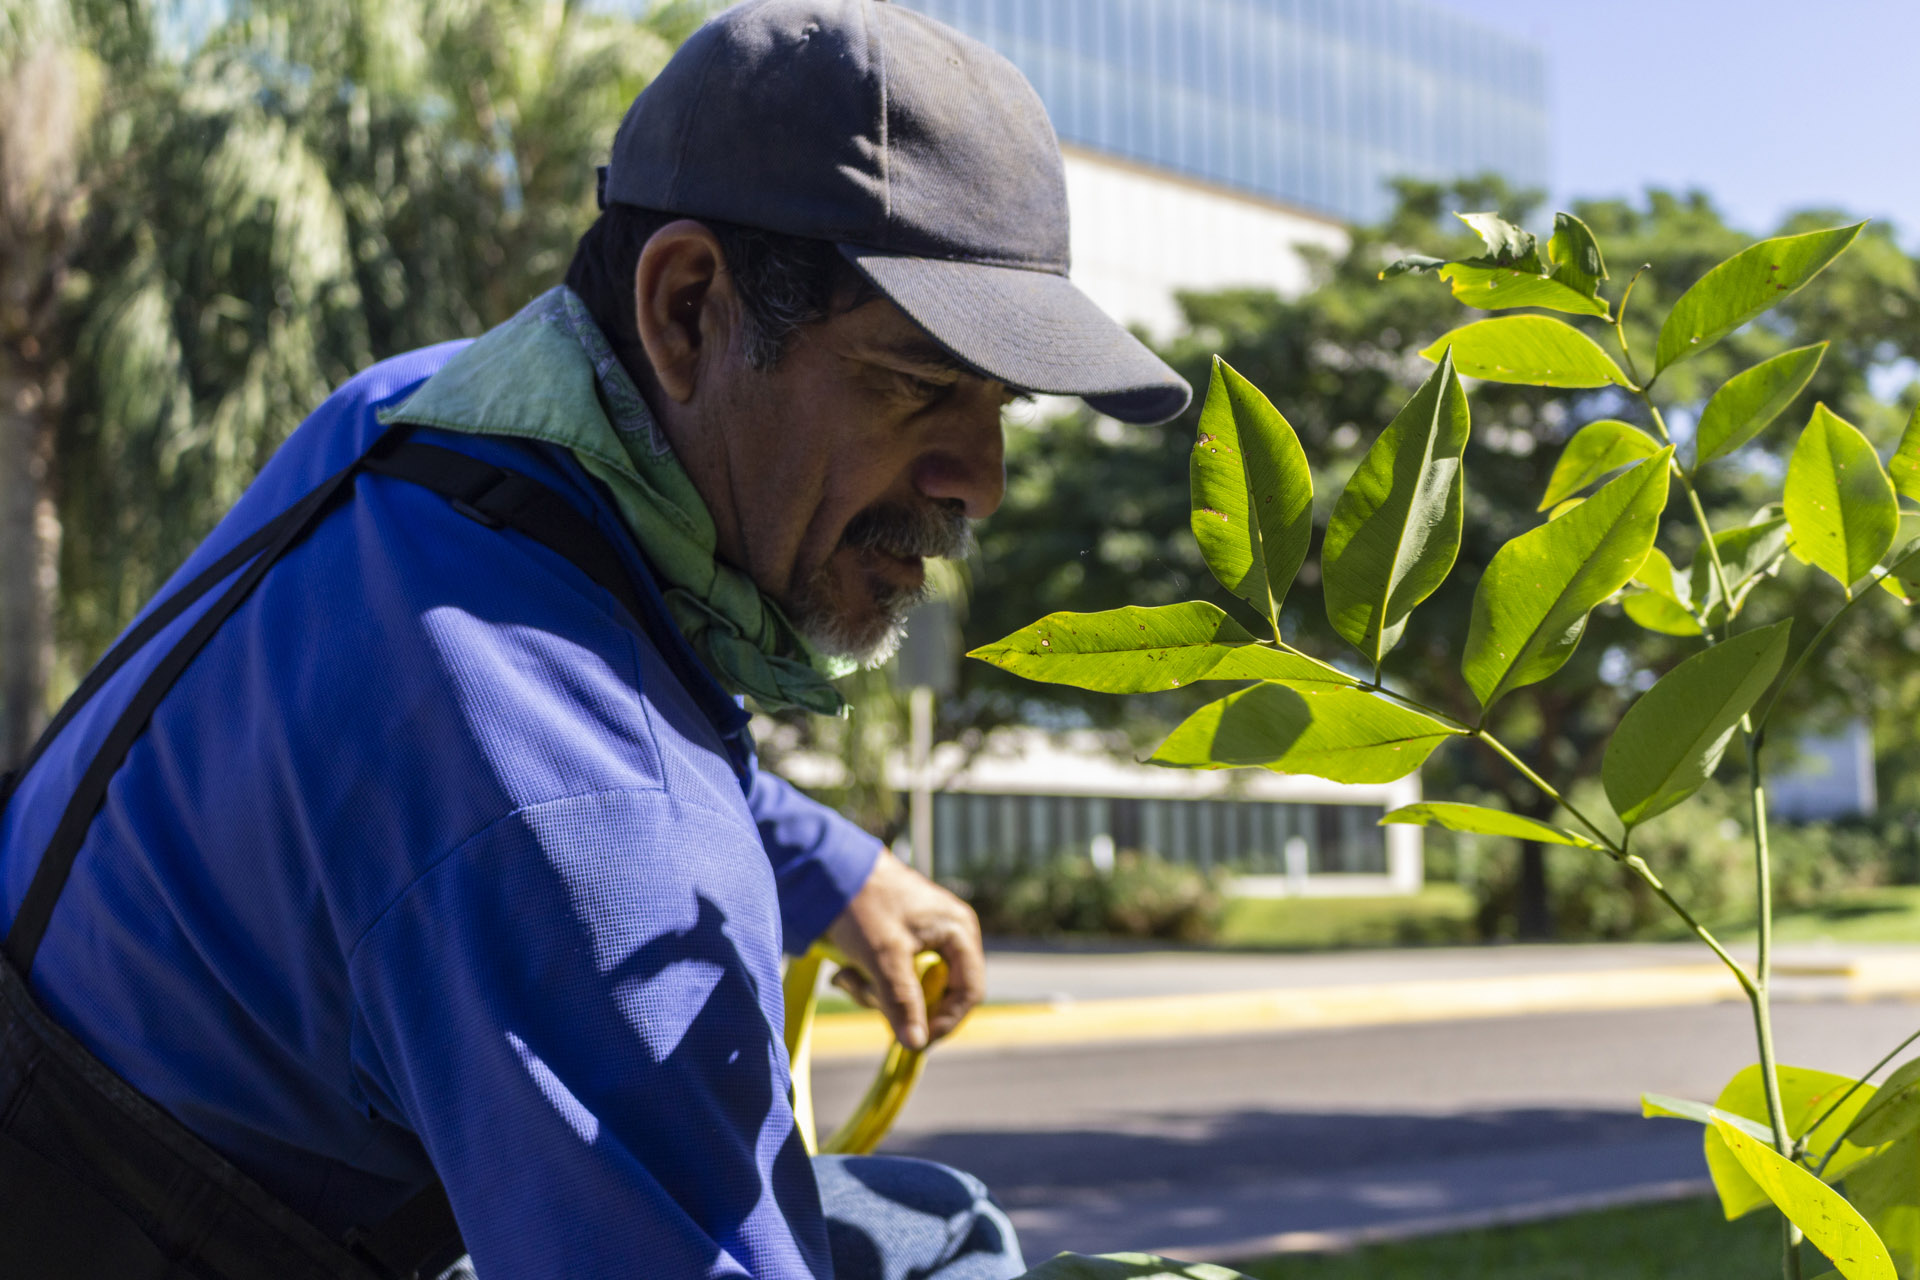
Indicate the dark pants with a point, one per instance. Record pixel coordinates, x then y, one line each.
891 1218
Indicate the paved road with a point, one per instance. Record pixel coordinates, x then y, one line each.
1200 1149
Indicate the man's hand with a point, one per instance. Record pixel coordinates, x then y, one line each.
896 915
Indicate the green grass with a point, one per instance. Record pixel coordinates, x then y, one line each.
1438 913
1682 1240
1887 914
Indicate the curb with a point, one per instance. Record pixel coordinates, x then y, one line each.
1215 1014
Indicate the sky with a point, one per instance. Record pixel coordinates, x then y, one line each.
1768 105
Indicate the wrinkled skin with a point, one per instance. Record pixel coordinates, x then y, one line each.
829 476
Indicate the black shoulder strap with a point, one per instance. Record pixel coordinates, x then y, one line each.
421 1237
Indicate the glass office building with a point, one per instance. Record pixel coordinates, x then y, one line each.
1313 103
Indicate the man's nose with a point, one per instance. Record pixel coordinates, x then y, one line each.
965 458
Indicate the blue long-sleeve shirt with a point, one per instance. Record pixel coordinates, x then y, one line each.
430 864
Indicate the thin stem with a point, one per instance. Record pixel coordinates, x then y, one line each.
1620 321
1760 995
1699 515
1852 1089
1546 789
1633 862
1636 864
1766 712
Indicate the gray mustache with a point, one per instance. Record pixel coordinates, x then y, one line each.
939 530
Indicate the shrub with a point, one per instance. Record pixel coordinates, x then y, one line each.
1141 897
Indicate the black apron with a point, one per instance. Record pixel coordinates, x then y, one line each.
97 1182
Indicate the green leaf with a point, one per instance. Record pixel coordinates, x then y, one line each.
1344 735
1742 287
1894 1111
1671 739
1747 553
1532 602
1805 1096
1657 574
1748 402
1564 507
1144 650
1252 493
1537 351
1903 580
1839 502
1510 274
1395 531
1660 1104
1885 1188
1503 288
1904 466
1660 613
1506 244
1486 822
1126 1266
1576 257
1594 450
1834 1226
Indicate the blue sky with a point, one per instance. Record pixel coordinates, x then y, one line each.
1768 105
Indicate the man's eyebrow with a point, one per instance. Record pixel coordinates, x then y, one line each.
924 352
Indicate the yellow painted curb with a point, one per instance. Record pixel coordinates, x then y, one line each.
1148 1018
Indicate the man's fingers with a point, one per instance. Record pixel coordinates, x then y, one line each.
966 961
898 986
855 984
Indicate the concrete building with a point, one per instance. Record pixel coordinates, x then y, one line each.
1208 140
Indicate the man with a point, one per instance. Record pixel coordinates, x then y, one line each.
413 836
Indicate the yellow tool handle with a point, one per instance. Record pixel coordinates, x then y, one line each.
899 1070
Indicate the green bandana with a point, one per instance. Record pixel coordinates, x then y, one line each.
549 374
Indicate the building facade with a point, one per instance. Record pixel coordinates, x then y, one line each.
1312 104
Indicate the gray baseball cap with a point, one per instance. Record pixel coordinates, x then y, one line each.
923 155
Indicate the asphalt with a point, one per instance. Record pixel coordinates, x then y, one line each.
1234 1143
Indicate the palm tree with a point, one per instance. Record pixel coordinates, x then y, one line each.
309 187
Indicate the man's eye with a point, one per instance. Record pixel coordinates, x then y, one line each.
927 389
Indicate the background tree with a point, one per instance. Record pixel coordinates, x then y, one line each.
232 231
1097 512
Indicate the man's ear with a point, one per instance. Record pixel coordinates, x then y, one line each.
683 304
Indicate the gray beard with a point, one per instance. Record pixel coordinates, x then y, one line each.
938 530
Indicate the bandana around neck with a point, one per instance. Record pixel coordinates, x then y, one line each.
549 374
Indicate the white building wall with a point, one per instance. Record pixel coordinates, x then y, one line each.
1140 234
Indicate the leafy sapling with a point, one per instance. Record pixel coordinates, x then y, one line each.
1837 1158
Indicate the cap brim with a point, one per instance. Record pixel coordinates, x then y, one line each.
1032 330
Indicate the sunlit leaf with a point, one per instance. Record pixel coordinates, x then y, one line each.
1531 605
1885 1188
1806 1095
1536 351
1748 553
1592 452
1662 607
1345 735
1395 531
1252 493
1904 466
1832 1225
1671 739
1839 502
1743 286
1476 820
1749 401
1143 650
1893 1112
1576 257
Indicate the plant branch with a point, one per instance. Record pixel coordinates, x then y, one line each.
1699 516
1620 323
1766 712
1852 1089
1633 862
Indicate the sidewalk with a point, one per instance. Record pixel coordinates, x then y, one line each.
1045 996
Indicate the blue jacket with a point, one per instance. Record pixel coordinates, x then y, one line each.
429 864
